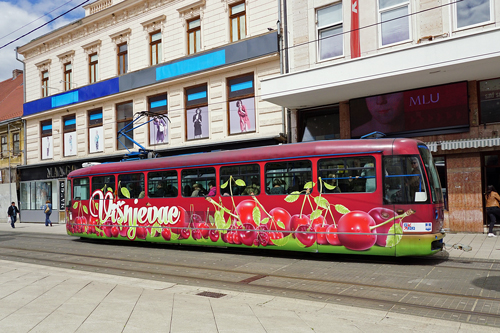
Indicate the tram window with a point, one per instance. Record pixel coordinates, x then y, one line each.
287 177
249 173
81 189
195 182
103 183
162 184
347 175
404 182
131 186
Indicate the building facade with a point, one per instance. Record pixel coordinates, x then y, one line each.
11 139
146 78
408 68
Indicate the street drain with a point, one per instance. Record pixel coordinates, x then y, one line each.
211 294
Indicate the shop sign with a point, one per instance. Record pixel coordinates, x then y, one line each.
60 171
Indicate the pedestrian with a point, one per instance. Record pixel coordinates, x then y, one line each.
12 213
47 209
492 207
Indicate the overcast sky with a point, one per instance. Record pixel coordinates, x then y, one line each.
18 17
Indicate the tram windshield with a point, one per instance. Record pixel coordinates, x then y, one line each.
404 180
430 167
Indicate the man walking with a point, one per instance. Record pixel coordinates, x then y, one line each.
12 212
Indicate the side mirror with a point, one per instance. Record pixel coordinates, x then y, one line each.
420 196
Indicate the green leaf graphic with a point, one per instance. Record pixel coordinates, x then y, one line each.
308 185
224 185
256 215
240 182
265 220
156 230
328 186
292 197
281 241
75 205
396 235
280 224
125 192
85 209
110 189
211 219
299 243
322 202
341 209
96 205
315 214
174 237
219 220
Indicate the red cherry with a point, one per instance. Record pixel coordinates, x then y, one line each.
224 237
248 234
236 238
141 232
114 231
381 215
351 225
229 237
280 215
245 211
124 230
305 237
321 234
332 236
214 235
196 233
204 229
166 234
263 237
106 227
180 220
298 220
184 233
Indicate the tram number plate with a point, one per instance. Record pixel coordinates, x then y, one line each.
417 226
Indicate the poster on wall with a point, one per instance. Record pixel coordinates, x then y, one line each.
158 130
412 112
96 139
47 147
197 123
70 144
242 116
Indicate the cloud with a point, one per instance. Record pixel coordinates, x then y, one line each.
17 19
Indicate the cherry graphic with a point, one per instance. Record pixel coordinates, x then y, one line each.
224 237
166 234
380 215
114 231
321 236
236 236
332 237
204 229
245 211
124 229
298 220
247 234
184 233
279 214
214 235
106 227
355 232
181 222
141 232
196 233
305 237
263 237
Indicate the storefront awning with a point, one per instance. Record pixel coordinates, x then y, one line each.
463 144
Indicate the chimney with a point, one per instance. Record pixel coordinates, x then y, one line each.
16 73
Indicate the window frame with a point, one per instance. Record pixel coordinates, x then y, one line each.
160 110
47 133
380 12
237 17
122 59
223 178
92 123
335 25
68 76
45 83
4 145
285 175
198 103
197 180
140 181
124 120
157 45
93 68
194 32
241 95
165 181
16 143
455 18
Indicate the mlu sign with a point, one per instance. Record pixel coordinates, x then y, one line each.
60 171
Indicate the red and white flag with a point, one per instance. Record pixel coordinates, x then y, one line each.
355 50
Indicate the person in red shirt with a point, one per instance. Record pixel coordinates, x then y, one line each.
492 207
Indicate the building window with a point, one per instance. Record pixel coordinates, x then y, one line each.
35 194
5 148
122 59
69 130
395 22
96 137
16 143
124 117
237 20
241 101
330 31
473 12
158 125
155 47
93 67
45 83
68 76
47 144
196 112
320 123
194 35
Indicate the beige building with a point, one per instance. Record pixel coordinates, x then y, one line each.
438 60
183 71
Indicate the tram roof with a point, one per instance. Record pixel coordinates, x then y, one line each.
258 154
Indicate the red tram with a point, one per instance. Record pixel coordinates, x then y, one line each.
368 196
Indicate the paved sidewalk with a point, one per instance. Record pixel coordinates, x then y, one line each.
47 299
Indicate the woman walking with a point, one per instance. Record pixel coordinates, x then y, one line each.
47 209
492 207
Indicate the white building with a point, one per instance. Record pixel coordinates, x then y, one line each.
190 62
339 53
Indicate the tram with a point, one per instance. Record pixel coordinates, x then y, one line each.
366 196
